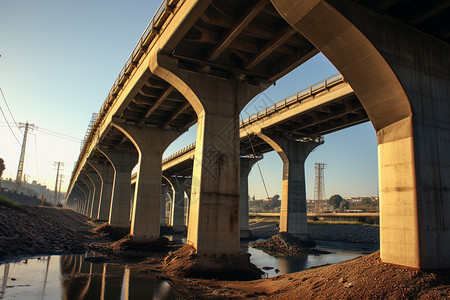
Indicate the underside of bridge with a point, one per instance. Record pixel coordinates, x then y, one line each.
202 61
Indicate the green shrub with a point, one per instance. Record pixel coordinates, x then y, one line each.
9 203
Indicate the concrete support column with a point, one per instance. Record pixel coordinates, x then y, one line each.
214 210
150 144
89 194
401 76
293 153
98 183
188 204
123 163
246 166
177 214
81 197
106 171
162 210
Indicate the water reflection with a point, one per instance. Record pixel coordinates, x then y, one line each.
285 265
72 277
78 277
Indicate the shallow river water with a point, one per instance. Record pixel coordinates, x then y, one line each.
71 277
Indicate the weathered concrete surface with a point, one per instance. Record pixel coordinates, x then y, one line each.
401 77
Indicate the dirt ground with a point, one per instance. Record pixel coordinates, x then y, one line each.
361 278
56 231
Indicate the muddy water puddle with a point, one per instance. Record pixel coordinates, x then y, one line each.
75 277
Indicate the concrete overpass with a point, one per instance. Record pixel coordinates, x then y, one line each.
202 61
293 127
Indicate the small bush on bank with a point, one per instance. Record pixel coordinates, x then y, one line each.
9 203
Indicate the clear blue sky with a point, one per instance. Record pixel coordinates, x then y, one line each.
59 60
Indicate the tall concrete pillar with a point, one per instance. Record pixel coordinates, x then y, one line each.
94 192
80 196
89 194
246 166
177 208
162 210
98 183
214 210
188 204
150 144
106 171
293 153
123 163
401 76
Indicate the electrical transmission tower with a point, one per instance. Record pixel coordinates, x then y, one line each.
319 187
22 153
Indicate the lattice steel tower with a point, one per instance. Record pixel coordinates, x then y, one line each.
319 186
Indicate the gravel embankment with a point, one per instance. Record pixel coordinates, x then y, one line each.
21 199
36 230
365 234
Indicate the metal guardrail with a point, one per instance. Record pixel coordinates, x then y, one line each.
179 153
295 98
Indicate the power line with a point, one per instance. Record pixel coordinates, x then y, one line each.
257 162
4 98
10 127
58 134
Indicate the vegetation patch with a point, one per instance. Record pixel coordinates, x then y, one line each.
9 203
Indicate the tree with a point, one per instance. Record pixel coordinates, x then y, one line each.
2 166
275 201
335 201
344 205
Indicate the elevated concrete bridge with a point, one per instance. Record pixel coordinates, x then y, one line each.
293 127
203 60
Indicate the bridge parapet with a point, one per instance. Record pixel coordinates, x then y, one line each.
179 153
295 98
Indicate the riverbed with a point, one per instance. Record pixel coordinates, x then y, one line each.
81 276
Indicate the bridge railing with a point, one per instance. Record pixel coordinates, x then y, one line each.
179 153
295 98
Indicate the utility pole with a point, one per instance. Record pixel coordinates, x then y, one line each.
22 153
59 165
61 177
